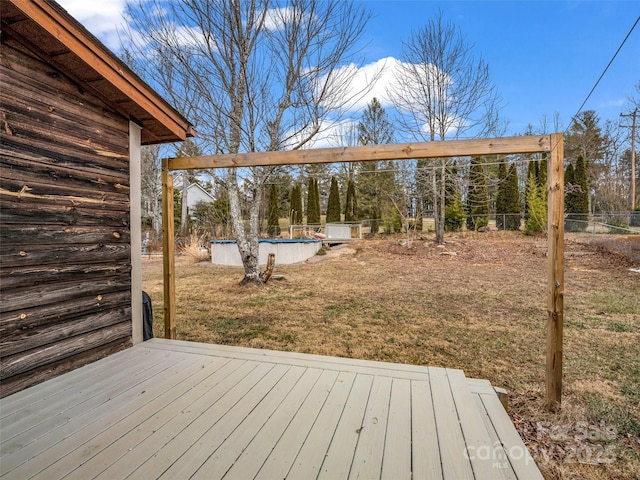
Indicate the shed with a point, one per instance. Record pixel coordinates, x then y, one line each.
72 120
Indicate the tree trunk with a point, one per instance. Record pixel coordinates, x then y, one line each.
441 210
184 221
247 246
436 203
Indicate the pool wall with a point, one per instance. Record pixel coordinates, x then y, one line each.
287 251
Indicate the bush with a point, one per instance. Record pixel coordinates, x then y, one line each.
453 217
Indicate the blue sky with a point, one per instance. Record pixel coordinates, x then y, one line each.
544 56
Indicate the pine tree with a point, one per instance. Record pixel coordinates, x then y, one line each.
501 196
351 204
512 200
375 180
477 201
273 224
313 202
295 209
333 204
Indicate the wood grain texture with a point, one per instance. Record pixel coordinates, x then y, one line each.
555 273
64 215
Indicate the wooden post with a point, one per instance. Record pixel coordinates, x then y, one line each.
555 271
168 253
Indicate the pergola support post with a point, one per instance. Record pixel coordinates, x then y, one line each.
168 255
555 271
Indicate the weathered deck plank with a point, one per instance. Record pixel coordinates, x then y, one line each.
43 456
170 409
290 442
396 463
339 457
43 416
177 416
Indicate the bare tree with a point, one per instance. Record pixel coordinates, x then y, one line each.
443 92
151 185
254 75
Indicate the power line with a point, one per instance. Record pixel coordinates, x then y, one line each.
603 73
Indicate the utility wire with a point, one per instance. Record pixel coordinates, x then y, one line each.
603 73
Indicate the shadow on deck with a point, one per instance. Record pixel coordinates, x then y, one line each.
174 409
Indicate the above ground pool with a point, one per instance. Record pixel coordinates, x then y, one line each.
287 251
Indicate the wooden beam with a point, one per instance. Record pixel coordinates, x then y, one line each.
81 43
168 254
555 271
403 151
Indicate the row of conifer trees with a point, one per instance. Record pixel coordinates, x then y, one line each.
476 211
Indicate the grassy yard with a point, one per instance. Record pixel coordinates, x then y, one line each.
477 304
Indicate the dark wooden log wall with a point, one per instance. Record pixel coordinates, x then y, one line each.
65 273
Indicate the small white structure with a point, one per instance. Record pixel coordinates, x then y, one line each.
338 231
287 251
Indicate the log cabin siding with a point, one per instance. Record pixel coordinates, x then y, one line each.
65 268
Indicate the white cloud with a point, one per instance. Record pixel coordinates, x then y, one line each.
276 17
187 36
616 103
331 134
101 18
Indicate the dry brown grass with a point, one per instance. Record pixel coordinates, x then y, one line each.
479 307
195 249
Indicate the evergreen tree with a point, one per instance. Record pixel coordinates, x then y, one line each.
531 171
333 205
375 180
273 223
454 216
454 211
537 206
576 196
570 199
542 174
501 196
351 204
512 200
313 202
375 220
582 196
295 210
477 201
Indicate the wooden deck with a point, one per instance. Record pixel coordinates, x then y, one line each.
177 410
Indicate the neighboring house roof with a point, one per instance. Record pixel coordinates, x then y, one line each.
47 29
197 194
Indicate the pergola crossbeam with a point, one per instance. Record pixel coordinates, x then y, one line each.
401 151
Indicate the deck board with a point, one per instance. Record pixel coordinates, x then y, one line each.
367 459
397 445
174 409
339 457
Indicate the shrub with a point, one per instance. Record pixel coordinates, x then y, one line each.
453 216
